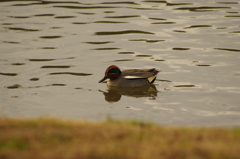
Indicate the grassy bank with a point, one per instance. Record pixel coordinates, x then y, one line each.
61 139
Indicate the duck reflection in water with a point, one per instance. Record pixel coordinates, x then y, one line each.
114 94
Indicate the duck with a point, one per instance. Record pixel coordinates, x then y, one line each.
129 77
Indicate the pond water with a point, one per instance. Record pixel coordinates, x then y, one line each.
53 53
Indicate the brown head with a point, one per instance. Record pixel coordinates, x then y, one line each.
112 72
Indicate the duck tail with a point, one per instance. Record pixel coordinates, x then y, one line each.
155 72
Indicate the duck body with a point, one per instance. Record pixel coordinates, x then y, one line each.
130 77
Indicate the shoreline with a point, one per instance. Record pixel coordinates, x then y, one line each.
50 138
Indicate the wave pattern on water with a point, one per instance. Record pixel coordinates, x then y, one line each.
126 16
99 43
146 40
70 73
190 85
67 45
86 7
8 74
56 66
22 29
107 48
202 9
226 49
46 59
197 26
122 32
50 37
17 86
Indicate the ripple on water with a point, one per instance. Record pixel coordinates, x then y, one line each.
232 16
32 3
202 9
99 43
157 19
126 52
178 4
197 26
34 79
44 60
65 17
41 60
56 27
44 15
20 17
159 60
8 74
107 22
146 40
203 65
21 29
86 13
70 73
63 66
131 3
179 31
113 22
56 84
160 1
85 7
163 80
235 32
109 12
80 23
45 2
107 48
18 64
227 2
164 23
49 85
11 42
227 49
189 85
125 16
122 60
48 48
145 8
51 37
180 48
15 86
122 32
143 55
7 23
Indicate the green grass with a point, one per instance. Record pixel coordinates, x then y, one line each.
70 139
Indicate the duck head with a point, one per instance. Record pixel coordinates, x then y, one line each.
112 72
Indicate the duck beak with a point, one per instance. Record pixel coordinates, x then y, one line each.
104 78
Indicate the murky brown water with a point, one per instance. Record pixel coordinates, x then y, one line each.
53 53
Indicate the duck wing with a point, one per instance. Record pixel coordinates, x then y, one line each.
149 74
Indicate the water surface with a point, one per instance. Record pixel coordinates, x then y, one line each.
53 53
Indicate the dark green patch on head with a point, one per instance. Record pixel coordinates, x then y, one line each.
114 70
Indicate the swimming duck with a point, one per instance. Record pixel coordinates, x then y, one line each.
130 77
